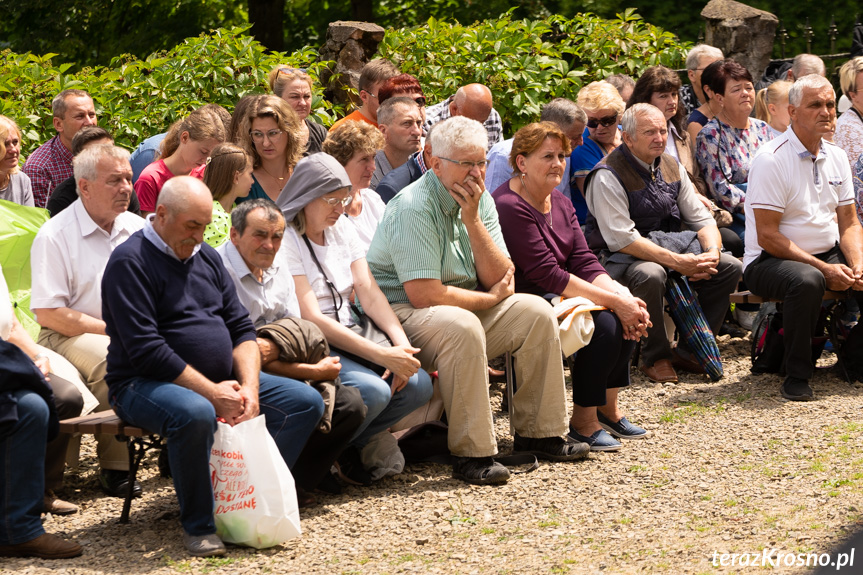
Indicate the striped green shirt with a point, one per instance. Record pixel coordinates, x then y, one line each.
421 236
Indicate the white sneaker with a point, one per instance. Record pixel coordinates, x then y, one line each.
745 318
203 545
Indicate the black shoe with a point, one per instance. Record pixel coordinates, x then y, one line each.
796 389
116 483
729 328
351 468
330 484
479 470
551 448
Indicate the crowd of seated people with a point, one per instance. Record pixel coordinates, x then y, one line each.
161 278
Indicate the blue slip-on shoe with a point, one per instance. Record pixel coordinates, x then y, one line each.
623 429
598 441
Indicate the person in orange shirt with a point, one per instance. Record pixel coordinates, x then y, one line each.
374 74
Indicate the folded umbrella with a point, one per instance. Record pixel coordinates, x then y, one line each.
691 325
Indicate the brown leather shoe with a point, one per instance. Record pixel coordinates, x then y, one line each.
46 546
686 362
660 372
56 506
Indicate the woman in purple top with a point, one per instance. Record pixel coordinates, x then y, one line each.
551 256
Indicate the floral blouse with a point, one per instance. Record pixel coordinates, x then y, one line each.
724 154
858 187
849 135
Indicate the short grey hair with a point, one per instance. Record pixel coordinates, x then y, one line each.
85 165
562 112
240 214
815 81
700 51
458 133
629 121
58 104
806 64
388 110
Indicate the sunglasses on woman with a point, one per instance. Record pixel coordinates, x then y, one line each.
605 122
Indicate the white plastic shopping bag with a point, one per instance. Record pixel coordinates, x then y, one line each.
256 502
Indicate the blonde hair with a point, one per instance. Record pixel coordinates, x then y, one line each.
600 96
7 125
350 138
772 94
284 116
281 76
224 162
848 75
202 124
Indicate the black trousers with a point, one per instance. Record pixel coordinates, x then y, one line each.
603 363
69 403
322 449
801 288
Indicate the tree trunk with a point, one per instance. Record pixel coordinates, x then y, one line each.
363 10
267 18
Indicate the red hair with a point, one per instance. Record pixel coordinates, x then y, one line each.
397 85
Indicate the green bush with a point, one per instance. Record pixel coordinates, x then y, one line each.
527 63
138 98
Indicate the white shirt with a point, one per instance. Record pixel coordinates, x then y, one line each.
68 258
273 298
342 248
367 222
786 178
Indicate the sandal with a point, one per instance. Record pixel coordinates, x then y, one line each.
551 448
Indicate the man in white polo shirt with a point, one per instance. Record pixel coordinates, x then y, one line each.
67 261
802 232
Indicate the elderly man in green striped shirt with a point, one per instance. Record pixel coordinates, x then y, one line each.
439 257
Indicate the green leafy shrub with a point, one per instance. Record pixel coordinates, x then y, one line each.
526 63
138 98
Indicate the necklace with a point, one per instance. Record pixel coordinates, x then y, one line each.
272 176
549 217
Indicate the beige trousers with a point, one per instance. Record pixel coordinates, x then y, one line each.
88 353
457 343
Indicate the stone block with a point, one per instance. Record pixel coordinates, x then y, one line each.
742 32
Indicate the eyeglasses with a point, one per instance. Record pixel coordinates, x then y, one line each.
333 202
271 135
370 94
420 100
606 121
467 164
292 70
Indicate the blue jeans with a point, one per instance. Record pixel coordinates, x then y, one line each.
187 421
22 469
384 408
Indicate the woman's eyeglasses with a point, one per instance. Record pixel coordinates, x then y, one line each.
607 121
333 202
292 70
271 135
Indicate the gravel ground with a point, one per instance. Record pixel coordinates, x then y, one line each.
730 467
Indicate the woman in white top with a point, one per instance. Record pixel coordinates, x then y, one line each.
328 263
14 184
354 145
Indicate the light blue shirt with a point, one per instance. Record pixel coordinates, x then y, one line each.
499 170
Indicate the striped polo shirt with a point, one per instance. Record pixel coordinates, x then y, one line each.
421 236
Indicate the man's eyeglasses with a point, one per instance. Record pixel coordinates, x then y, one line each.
292 70
607 121
467 164
333 202
271 135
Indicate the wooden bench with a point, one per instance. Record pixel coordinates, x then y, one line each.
749 297
138 441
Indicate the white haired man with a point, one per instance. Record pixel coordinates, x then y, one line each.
440 259
802 231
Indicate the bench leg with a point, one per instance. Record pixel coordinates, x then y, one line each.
137 448
510 389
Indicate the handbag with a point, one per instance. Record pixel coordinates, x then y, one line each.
255 497
363 324
576 323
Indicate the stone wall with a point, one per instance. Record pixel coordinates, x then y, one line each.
351 45
742 32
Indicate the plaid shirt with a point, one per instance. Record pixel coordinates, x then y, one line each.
48 166
440 112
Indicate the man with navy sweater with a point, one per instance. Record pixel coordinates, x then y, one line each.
183 352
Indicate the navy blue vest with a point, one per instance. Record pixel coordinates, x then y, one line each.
652 197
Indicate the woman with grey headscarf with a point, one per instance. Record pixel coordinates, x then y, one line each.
328 263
